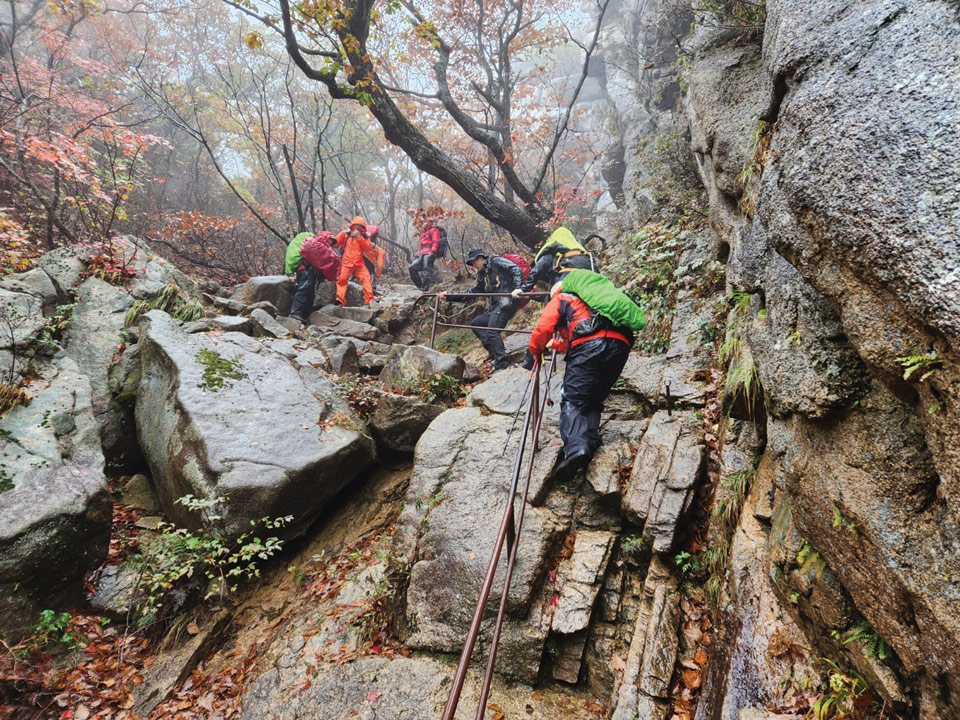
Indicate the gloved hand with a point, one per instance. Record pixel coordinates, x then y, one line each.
528 361
517 293
555 344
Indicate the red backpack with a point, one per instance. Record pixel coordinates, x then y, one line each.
316 251
519 262
524 268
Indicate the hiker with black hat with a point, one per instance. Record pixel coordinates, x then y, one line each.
495 274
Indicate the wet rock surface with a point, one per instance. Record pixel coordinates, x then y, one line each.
252 431
55 506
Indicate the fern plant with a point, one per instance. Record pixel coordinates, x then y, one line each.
873 645
927 364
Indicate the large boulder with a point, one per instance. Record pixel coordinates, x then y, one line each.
410 365
456 498
274 289
273 442
400 420
55 508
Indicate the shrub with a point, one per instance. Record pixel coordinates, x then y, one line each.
178 554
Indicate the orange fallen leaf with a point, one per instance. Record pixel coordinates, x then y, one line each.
692 679
193 628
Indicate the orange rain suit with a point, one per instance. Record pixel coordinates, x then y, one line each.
351 264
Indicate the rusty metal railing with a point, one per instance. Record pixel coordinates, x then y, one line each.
509 533
437 299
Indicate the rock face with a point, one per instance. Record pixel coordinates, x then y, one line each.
253 431
55 506
667 467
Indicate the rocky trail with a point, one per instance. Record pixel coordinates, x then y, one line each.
365 610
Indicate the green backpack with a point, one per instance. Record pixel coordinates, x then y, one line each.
604 298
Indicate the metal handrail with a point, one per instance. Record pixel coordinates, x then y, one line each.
436 310
509 532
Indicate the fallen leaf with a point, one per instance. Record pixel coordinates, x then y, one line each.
701 656
193 628
617 663
689 664
373 697
692 679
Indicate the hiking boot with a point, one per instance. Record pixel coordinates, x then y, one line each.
571 465
338 303
501 364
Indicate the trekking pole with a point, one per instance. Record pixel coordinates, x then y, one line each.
536 367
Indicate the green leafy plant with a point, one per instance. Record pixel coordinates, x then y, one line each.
172 300
686 562
218 369
177 554
442 387
926 364
632 544
839 521
809 559
843 696
734 488
54 627
873 645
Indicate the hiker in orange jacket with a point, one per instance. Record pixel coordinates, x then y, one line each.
354 243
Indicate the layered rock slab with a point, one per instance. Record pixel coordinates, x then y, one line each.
263 440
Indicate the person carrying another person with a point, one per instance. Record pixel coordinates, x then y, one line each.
312 260
429 249
495 274
596 339
559 254
354 243
373 258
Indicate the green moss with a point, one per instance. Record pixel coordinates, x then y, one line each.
218 369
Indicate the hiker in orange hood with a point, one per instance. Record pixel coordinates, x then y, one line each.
354 243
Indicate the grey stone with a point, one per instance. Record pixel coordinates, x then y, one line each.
363 314
399 420
55 520
579 578
447 528
234 307
21 321
139 491
117 592
259 440
265 305
341 354
63 267
410 365
231 323
265 326
290 323
668 464
275 289
371 364
32 282
342 326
